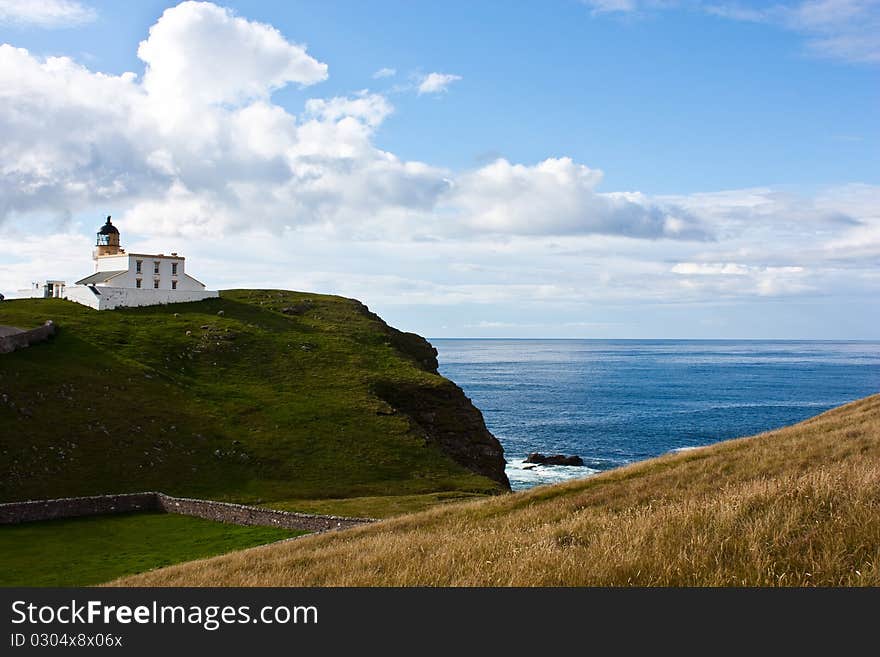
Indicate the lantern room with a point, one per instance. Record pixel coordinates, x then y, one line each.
108 240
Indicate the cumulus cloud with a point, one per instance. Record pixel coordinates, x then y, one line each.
69 136
200 53
370 108
197 146
45 13
385 73
559 197
436 83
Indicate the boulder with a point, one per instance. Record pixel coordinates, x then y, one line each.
297 309
554 459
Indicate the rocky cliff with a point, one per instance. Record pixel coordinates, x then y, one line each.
447 417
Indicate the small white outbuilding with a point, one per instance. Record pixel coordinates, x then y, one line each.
44 290
134 279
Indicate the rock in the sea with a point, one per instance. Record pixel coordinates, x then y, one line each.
554 459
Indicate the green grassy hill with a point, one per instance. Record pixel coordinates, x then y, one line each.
794 507
261 396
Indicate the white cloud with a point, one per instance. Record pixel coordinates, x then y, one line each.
199 53
435 83
385 73
371 108
710 269
45 13
559 197
198 147
763 281
68 137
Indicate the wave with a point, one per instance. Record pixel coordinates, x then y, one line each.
527 475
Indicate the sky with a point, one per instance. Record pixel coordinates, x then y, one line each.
570 168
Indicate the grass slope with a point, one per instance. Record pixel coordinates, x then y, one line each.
83 551
272 400
797 506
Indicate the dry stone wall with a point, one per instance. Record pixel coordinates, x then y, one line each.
10 343
239 514
71 507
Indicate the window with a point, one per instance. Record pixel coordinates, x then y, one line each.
137 266
173 285
174 269
138 281
156 284
156 267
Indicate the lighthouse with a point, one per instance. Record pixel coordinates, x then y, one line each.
123 279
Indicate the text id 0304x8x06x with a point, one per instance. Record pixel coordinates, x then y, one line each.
54 640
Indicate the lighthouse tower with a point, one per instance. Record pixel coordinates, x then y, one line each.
134 279
108 240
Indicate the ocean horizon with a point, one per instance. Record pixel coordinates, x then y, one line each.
617 401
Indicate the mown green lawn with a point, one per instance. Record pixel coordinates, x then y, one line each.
83 551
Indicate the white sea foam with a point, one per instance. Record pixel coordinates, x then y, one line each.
676 450
525 475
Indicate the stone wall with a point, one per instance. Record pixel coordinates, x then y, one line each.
70 507
239 514
10 343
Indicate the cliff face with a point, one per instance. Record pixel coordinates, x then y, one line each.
441 410
451 421
260 396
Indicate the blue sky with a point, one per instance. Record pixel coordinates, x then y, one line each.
738 147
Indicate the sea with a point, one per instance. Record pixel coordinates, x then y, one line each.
613 402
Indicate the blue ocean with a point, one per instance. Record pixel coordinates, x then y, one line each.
613 402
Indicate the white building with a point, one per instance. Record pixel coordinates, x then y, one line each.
134 279
44 290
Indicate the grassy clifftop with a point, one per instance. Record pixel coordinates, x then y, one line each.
261 396
798 506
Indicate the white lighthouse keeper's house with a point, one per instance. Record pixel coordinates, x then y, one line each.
134 279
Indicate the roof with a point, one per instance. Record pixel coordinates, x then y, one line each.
108 228
152 255
193 278
100 277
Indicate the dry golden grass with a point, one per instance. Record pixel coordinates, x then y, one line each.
794 507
